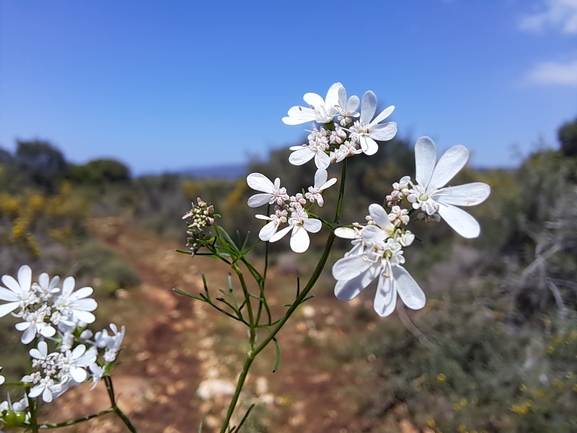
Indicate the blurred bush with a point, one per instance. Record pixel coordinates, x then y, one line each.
106 270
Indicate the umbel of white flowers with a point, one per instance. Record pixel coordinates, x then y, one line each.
339 132
58 315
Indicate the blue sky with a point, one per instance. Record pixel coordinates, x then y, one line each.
166 85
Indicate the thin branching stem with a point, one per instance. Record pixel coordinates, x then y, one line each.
114 406
302 296
248 304
76 421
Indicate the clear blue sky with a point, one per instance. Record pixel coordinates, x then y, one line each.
166 85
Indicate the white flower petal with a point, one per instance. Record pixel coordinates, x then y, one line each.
346 233
84 316
47 331
332 98
42 349
81 293
386 296
25 277
314 99
35 391
383 115
300 240
353 104
68 286
321 176
268 231
312 225
470 194
85 304
345 290
408 289
452 161
384 131
328 183
372 234
259 182
302 156
379 215
322 160
350 267
425 159
78 374
46 395
8 295
298 115
8 308
35 353
28 335
280 234
368 107
258 200
44 280
12 284
368 145
22 326
460 221
78 351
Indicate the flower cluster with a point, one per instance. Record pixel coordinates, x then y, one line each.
200 217
42 306
290 210
339 132
342 130
378 247
56 315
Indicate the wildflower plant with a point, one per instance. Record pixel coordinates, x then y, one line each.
53 318
342 128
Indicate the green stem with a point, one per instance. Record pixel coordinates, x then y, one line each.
114 406
33 417
239 386
248 304
76 421
299 300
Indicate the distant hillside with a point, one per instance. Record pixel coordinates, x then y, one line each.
229 171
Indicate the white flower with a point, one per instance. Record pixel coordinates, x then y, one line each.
73 362
345 150
49 364
18 293
45 386
2 378
320 111
34 323
46 287
321 183
111 342
75 305
317 147
97 373
273 193
347 108
300 224
366 131
428 193
383 259
275 220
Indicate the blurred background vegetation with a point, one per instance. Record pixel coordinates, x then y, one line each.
494 350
